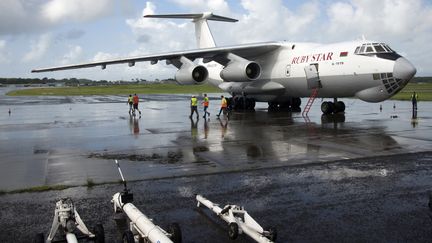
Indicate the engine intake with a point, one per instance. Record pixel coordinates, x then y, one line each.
189 75
240 71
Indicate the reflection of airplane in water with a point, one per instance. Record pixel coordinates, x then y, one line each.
281 72
285 139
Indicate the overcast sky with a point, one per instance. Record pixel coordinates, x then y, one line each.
43 33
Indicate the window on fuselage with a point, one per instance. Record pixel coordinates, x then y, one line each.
372 48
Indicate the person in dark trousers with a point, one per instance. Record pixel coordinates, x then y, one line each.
414 99
224 105
135 100
194 106
130 103
206 103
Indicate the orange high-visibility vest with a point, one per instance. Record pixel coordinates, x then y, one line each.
224 103
206 101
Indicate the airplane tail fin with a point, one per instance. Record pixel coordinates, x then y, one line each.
203 34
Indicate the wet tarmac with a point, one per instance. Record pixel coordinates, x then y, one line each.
363 175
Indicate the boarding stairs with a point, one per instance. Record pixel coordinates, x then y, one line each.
310 102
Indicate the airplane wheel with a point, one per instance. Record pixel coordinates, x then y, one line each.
233 231
238 103
99 233
296 102
250 104
128 237
40 238
272 235
272 106
175 231
327 107
339 106
230 102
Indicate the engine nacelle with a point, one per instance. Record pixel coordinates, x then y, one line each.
191 74
240 71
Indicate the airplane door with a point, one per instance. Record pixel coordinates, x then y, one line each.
312 76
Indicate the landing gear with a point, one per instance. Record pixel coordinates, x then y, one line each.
292 105
328 107
241 103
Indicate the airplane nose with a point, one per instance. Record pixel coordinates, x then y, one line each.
403 69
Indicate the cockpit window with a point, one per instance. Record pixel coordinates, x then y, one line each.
379 48
373 48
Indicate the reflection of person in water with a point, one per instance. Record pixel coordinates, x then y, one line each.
134 124
206 128
194 128
224 126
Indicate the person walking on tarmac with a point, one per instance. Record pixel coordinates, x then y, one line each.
414 99
194 106
224 105
135 100
130 102
206 105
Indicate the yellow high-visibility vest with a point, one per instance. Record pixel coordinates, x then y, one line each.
194 101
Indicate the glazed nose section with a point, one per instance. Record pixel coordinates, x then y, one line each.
403 69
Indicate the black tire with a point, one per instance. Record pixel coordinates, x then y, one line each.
327 107
272 234
39 238
233 231
339 107
99 233
272 106
175 231
128 237
296 102
250 104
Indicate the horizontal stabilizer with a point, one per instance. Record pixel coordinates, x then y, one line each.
206 15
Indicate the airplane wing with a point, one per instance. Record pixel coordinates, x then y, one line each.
218 54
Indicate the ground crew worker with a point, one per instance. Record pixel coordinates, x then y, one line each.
130 102
194 106
206 103
135 100
224 105
414 98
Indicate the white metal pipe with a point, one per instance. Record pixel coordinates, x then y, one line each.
71 238
243 227
142 223
253 234
215 208
145 225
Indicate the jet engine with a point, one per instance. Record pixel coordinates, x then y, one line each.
240 71
191 74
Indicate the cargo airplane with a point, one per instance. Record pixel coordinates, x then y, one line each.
280 73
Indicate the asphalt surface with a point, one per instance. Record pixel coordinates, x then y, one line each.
361 176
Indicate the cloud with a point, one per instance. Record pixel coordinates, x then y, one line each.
198 6
4 55
78 10
38 48
103 56
23 16
73 55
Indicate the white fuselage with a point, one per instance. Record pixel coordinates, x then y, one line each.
342 73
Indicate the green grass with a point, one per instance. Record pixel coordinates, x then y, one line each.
424 91
118 90
90 183
40 189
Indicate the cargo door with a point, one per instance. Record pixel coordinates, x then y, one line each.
312 76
